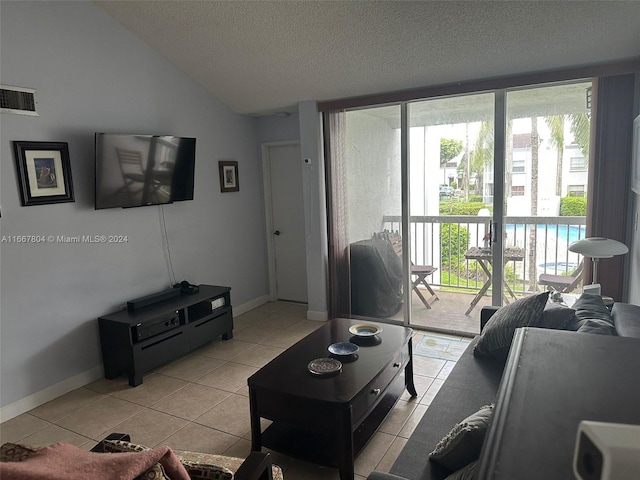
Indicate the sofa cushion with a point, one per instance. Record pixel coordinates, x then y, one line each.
495 339
626 318
473 381
589 307
556 316
463 443
466 473
594 325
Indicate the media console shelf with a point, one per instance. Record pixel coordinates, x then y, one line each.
136 341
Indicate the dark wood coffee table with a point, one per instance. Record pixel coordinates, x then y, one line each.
328 420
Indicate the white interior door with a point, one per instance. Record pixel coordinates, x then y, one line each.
284 169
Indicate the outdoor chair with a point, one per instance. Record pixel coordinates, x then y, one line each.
419 272
562 283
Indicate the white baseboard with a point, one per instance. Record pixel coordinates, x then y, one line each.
245 307
54 391
319 316
41 397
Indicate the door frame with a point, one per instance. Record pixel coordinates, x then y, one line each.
268 212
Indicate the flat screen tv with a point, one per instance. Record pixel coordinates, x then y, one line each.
140 170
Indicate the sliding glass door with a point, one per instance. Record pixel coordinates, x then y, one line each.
373 193
442 206
450 205
545 185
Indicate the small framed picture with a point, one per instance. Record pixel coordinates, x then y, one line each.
228 176
44 172
635 156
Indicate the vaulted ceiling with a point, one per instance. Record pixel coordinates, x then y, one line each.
262 57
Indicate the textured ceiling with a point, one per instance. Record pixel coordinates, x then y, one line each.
261 57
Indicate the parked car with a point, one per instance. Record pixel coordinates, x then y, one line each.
446 191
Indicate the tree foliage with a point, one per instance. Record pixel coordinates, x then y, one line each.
454 242
461 208
573 207
580 128
556 127
449 149
482 154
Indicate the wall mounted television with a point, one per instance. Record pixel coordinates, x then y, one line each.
140 170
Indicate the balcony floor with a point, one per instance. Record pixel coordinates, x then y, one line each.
447 314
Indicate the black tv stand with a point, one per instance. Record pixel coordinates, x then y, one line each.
136 341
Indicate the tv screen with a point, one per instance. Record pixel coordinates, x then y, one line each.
139 170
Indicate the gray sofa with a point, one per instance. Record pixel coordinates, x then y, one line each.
472 383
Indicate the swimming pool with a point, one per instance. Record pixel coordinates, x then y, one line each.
567 233
558 268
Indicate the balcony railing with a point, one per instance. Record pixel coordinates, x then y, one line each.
442 241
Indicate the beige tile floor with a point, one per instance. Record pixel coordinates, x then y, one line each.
200 402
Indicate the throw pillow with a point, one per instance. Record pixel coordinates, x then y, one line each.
196 465
206 466
120 446
594 325
14 452
193 461
589 307
467 473
556 316
463 443
495 339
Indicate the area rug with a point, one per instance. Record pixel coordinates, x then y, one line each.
440 347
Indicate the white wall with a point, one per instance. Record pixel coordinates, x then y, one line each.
315 211
93 75
276 128
373 170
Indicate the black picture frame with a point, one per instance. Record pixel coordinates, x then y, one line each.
44 172
228 176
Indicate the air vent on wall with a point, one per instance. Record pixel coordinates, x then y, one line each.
21 101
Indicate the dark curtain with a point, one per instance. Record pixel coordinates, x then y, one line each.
338 215
609 174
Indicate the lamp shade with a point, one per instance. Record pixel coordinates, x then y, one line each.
598 247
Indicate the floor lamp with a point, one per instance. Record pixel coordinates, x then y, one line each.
597 248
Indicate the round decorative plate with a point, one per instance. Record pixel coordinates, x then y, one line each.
343 348
324 366
365 330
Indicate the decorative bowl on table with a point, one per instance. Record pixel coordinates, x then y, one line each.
323 367
343 348
365 330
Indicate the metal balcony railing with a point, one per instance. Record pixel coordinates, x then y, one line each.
442 241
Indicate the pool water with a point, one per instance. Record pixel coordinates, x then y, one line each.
567 233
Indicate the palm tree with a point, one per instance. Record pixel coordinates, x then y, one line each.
508 168
556 126
482 154
581 129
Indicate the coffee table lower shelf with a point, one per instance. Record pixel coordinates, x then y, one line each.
321 447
